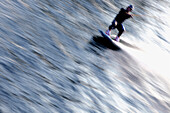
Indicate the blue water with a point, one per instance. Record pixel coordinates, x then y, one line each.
53 61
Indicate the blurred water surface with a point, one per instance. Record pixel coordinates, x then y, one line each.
50 62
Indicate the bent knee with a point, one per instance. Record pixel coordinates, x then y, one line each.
123 29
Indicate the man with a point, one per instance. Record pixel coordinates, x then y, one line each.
119 19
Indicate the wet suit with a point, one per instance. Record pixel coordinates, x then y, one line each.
119 19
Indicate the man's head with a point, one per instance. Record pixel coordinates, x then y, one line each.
129 8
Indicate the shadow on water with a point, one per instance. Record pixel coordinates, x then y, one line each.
100 41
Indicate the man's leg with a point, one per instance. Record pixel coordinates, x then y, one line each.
121 29
112 26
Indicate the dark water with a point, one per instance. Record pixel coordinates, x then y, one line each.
50 60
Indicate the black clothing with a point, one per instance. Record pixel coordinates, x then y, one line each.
119 19
120 27
122 16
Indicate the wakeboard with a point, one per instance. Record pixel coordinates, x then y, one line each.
107 37
109 40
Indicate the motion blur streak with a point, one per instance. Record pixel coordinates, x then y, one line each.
51 62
